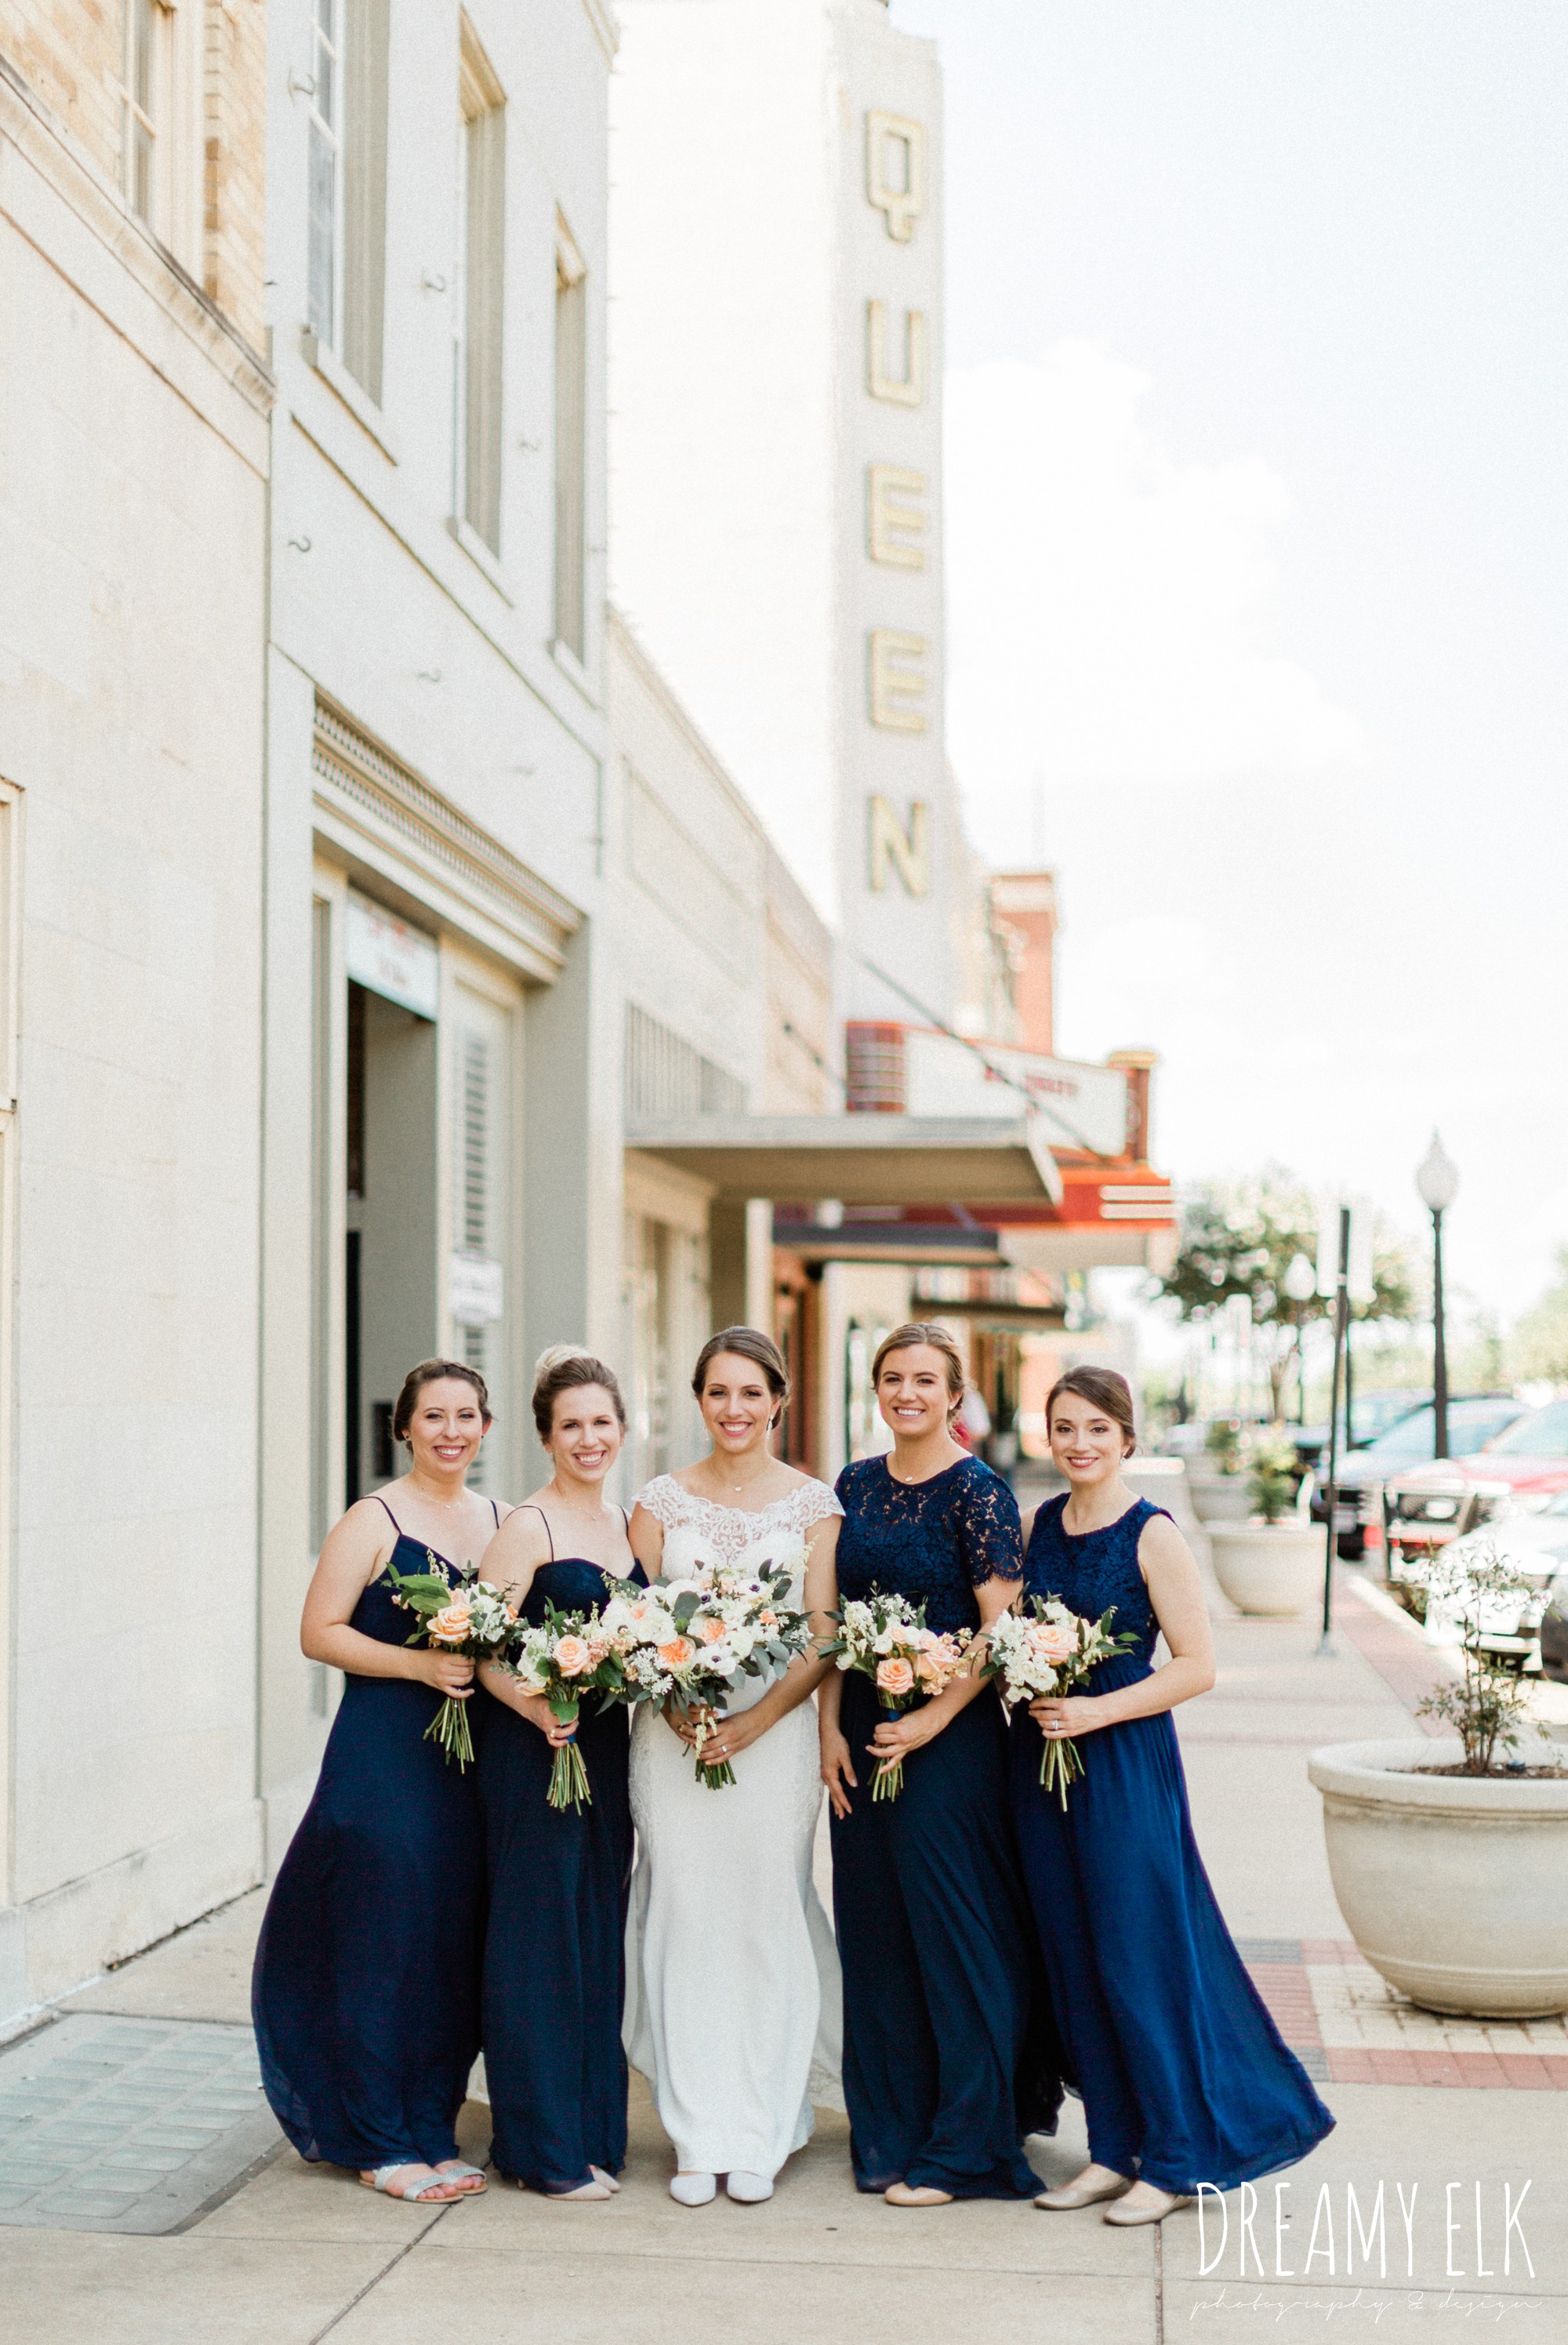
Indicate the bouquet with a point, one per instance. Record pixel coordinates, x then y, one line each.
459 1613
693 1639
886 1640
1050 1651
573 1653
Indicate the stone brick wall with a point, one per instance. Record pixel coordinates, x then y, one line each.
234 186
70 55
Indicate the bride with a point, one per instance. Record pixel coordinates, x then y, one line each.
732 1982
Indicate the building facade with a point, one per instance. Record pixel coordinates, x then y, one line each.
134 460
776 366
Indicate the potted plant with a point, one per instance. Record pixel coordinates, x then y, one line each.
1450 1858
1272 1563
1218 1489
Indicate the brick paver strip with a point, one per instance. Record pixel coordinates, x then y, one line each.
1406 1664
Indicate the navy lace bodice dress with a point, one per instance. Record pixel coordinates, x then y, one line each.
1183 2074
555 1961
366 1990
948 2051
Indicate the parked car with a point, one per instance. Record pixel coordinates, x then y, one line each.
1474 1419
1372 1415
1533 1633
1530 1455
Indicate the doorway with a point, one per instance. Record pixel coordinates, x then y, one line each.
389 1298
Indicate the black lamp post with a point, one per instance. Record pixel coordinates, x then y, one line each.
1438 1182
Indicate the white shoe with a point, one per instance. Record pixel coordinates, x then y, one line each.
750 2189
693 2189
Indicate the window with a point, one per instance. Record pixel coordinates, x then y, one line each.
145 105
571 446
480 1277
346 276
481 216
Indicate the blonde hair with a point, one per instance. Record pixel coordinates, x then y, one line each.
940 1339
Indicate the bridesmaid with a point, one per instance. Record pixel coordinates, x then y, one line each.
944 2063
1183 2074
554 1961
365 1989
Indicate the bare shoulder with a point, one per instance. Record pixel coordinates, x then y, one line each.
1162 1547
521 1542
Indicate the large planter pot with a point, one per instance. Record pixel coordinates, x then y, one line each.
1275 1569
1218 1497
1454 1887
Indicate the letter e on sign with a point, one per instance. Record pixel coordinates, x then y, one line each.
896 678
896 171
892 847
891 518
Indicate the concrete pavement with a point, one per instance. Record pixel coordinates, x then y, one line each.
300 2254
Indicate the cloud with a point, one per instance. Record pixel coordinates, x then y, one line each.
1110 605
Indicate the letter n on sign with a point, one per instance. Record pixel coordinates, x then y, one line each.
894 848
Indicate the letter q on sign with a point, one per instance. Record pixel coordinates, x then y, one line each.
896 171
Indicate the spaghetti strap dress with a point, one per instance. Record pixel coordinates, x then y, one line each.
1183 2074
366 1990
950 2057
554 1956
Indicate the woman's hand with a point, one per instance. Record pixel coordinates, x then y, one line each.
838 1769
725 1736
537 1713
449 1673
1057 1715
896 1738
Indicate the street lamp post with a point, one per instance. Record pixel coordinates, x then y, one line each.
1438 1182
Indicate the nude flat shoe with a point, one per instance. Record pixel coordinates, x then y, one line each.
1124 2218
899 2194
607 2180
1070 2196
584 2190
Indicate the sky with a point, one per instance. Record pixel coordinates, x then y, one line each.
1257 511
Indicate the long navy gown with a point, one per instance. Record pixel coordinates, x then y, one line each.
366 1990
554 1959
948 2057
1183 2074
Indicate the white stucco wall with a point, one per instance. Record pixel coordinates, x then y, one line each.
133 463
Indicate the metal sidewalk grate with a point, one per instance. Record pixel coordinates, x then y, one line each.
127 2124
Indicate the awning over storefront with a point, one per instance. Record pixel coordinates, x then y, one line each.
864 1160
917 1243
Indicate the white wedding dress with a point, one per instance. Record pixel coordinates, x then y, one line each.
732 1982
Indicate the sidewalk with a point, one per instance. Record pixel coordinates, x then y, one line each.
1455 2112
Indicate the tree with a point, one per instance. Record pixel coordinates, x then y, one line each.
1241 1237
1541 1339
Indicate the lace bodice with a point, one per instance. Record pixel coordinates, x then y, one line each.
1092 1570
933 1541
699 1529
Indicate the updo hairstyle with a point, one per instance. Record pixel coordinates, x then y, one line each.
925 1330
1103 1388
433 1372
747 1344
565 1367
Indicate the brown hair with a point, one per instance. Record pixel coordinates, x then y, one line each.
924 1331
565 1368
747 1344
1105 1389
431 1372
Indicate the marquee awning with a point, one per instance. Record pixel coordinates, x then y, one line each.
861 1159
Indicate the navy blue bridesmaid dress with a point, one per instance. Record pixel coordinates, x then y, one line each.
948 2056
1183 2074
555 1958
366 1990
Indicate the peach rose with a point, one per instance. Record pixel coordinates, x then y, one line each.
1056 1643
895 1676
572 1655
677 1653
450 1625
710 1630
